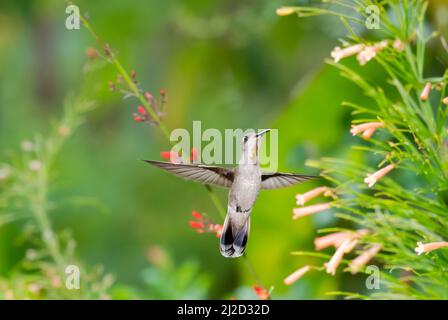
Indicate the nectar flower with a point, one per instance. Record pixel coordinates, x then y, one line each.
64 131
428 247
302 198
445 101
333 239
426 90
285 11
359 262
27 145
91 53
337 238
261 293
306 211
337 54
336 259
194 154
197 215
196 225
369 52
35 165
375 177
398 45
171 156
137 118
149 96
204 224
367 129
141 110
4 173
296 275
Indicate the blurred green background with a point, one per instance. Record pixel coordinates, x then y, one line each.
230 64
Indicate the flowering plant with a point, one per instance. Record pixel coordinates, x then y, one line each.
405 131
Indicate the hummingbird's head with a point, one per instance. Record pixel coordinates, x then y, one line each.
251 146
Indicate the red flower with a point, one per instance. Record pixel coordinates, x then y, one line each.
168 155
194 154
137 118
205 224
141 110
197 215
261 292
196 225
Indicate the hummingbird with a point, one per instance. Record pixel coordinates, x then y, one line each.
244 181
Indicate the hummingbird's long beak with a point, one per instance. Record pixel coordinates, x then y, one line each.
262 133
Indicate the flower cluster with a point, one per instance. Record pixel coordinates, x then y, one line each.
364 53
301 199
203 224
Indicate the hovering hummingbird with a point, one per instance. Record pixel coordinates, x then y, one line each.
244 181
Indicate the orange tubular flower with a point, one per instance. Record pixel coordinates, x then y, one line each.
359 262
337 54
306 211
296 275
426 90
335 261
375 177
302 198
428 247
367 129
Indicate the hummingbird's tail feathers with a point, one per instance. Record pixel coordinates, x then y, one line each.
234 240
239 245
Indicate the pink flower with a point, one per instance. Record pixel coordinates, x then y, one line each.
4 173
296 275
398 45
369 52
302 198
305 211
337 238
425 93
333 239
364 53
337 54
367 129
261 292
359 262
375 177
35 165
428 247
336 259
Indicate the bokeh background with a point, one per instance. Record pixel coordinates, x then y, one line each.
230 64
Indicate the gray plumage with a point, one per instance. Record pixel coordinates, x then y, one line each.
244 181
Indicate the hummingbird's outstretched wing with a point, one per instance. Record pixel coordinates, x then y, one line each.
275 180
200 173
